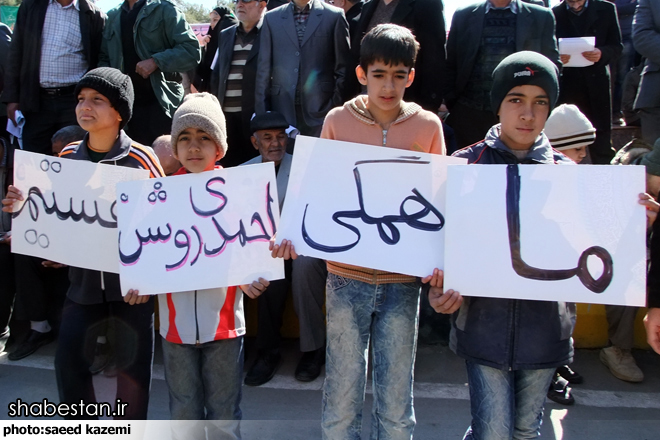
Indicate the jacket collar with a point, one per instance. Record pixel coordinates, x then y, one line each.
358 108
540 152
119 150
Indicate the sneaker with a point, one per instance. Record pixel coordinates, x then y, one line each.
571 376
263 369
559 391
31 344
621 364
102 358
309 367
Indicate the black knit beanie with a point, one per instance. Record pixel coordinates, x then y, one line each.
115 86
524 68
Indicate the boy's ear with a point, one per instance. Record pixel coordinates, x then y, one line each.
218 153
411 77
361 75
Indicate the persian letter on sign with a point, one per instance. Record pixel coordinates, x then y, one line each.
375 207
69 213
198 231
557 233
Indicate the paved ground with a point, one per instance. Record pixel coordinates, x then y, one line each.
606 408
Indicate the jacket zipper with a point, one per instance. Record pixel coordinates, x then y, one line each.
384 138
196 321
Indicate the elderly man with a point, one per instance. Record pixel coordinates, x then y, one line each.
306 275
55 43
151 42
234 77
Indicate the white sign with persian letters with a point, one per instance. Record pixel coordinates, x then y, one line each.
198 231
556 233
68 215
375 207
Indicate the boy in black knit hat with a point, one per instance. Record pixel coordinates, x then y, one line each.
512 347
105 105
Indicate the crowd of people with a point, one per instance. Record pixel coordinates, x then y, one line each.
109 89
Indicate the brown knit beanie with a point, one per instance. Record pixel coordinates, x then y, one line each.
201 111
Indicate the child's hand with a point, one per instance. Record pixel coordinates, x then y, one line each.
255 289
284 250
13 195
133 297
652 208
442 302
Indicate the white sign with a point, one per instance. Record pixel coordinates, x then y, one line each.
574 47
198 231
375 207
68 215
559 233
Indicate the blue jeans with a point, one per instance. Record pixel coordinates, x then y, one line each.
506 404
387 315
204 382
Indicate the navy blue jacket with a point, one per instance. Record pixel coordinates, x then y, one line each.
511 334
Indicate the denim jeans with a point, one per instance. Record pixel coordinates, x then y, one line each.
386 315
506 404
204 382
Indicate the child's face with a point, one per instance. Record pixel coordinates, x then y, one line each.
95 113
523 113
386 84
576 154
196 150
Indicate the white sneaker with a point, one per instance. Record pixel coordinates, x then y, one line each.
621 364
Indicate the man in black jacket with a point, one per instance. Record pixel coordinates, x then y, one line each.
589 87
55 43
425 18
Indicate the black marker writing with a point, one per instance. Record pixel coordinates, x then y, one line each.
527 271
387 230
35 194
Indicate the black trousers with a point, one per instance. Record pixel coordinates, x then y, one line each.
149 121
40 291
239 145
7 288
55 112
469 125
134 350
270 311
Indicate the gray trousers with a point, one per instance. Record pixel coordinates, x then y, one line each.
650 124
308 286
621 325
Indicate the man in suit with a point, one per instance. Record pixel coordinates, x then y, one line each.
481 35
234 76
426 20
646 38
55 43
305 275
303 52
589 87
